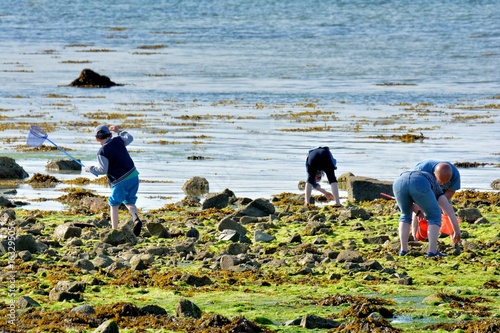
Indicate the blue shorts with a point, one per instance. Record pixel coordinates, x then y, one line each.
124 192
413 187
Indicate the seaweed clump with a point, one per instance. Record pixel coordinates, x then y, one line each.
39 180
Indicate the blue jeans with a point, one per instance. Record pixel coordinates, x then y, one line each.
413 187
125 191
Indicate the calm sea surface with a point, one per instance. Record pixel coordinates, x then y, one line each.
250 86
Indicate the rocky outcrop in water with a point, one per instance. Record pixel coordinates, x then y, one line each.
90 79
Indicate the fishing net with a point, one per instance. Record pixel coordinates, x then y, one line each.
36 136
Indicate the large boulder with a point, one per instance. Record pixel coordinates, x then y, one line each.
90 79
63 165
9 169
367 189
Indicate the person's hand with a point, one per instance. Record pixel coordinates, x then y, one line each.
329 196
455 238
87 169
420 216
113 128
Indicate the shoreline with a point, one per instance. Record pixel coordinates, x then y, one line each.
289 251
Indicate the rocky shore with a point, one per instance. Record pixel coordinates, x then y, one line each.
236 264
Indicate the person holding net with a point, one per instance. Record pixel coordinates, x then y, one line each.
115 162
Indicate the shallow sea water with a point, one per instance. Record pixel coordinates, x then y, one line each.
251 86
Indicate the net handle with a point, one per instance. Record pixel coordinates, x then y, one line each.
41 134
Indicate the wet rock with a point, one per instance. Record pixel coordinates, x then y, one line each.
469 214
406 281
109 326
367 189
351 213
257 208
102 261
9 169
296 238
376 240
313 322
309 259
84 309
237 248
67 291
115 266
25 302
117 237
90 79
84 265
228 261
316 228
216 200
158 230
229 223
193 233
4 202
214 320
495 184
184 247
481 220
24 255
140 262
229 235
27 242
186 308
260 236
66 231
371 265
241 324
349 256
196 281
196 186
153 310
63 165
6 216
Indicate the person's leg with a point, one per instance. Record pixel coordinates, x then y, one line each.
426 199
307 194
115 200
113 212
335 192
405 203
132 208
433 235
414 224
404 233
131 187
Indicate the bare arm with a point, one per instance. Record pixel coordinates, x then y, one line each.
327 194
446 207
449 194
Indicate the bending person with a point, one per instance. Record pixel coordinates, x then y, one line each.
415 190
319 161
445 172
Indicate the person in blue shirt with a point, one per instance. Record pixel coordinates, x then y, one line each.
419 192
115 162
450 179
319 161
